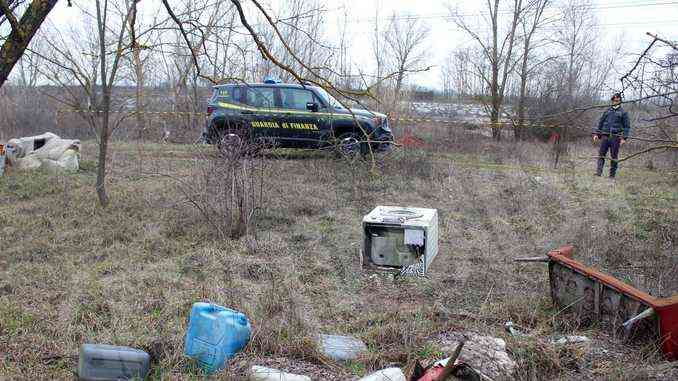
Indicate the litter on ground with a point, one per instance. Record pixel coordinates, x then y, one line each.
48 150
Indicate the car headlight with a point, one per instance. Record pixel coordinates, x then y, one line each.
385 126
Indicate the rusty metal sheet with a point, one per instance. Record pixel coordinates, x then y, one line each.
599 298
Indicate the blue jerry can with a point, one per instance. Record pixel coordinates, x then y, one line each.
214 335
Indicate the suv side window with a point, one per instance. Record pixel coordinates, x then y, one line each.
229 94
296 99
260 97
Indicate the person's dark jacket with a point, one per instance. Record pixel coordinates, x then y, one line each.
614 122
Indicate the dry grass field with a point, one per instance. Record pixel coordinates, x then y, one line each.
71 272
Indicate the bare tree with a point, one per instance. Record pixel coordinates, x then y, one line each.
22 30
376 40
497 49
463 72
530 23
657 86
575 37
108 76
405 39
585 70
137 64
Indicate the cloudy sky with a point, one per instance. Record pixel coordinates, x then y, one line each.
625 19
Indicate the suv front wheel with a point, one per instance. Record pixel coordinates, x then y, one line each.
350 145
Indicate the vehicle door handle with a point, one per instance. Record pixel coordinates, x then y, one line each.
247 112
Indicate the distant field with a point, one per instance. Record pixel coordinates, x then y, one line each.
71 272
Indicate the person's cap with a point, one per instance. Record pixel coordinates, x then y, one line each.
616 95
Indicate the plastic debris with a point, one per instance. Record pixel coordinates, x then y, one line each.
341 348
388 374
262 373
573 339
101 362
511 328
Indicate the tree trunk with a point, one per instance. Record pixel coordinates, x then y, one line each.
139 73
103 150
17 41
104 109
496 105
496 102
518 130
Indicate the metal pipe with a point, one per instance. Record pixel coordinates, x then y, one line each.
645 314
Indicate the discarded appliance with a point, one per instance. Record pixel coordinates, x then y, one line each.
215 334
598 297
400 240
47 149
2 159
101 362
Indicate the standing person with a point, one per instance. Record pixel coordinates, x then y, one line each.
613 130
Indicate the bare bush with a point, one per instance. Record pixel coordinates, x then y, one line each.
226 187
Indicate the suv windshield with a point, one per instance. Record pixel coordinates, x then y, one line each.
329 98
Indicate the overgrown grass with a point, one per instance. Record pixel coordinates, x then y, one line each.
71 272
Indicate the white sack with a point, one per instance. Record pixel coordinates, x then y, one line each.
55 153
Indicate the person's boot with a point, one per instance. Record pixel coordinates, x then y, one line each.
613 170
599 168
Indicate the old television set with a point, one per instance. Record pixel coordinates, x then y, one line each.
399 239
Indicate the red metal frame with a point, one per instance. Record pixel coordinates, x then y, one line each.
665 308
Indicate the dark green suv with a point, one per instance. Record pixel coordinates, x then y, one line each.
292 116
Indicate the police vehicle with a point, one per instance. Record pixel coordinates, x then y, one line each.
292 116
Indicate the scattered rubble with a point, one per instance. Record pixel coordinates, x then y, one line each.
262 373
485 354
450 367
341 348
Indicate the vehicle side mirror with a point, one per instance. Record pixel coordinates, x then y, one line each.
312 106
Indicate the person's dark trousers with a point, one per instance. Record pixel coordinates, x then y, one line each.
611 144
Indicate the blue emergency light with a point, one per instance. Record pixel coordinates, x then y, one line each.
270 80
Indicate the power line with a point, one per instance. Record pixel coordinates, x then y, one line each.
610 25
449 17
